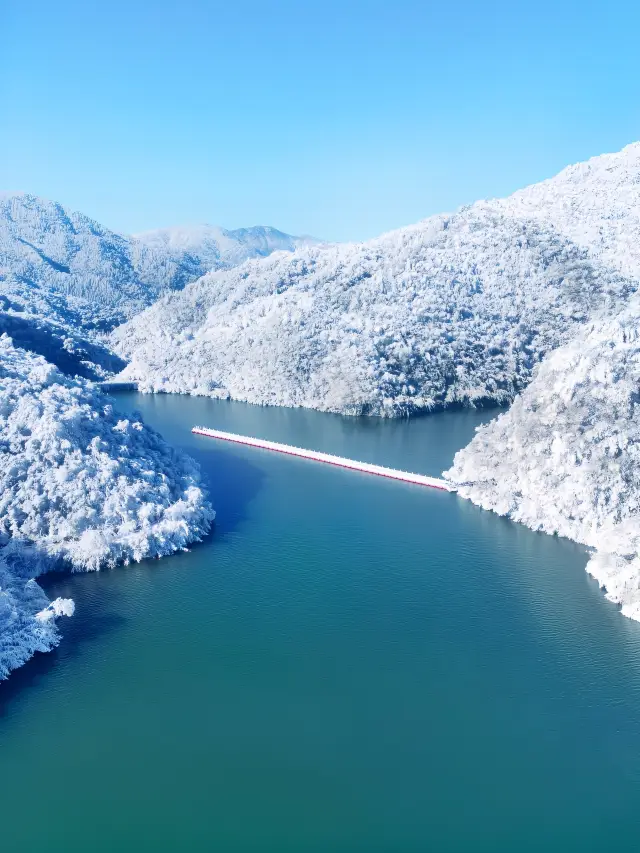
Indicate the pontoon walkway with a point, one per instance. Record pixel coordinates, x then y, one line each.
405 476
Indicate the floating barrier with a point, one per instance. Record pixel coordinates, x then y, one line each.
368 468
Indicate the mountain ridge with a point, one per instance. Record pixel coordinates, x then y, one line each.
458 308
65 279
46 243
217 247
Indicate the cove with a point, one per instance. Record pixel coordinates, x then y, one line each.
346 664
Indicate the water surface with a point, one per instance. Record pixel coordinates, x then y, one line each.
347 664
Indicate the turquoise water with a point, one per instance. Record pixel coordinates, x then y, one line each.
346 664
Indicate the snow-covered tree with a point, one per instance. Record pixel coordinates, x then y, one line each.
565 458
81 487
455 310
45 244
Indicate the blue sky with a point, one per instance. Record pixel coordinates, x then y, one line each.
338 119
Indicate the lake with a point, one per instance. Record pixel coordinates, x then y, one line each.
346 664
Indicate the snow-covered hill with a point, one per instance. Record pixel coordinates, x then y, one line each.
27 617
565 458
596 204
58 327
217 248
79 486
456 309
43 243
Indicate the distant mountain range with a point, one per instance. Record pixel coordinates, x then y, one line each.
214 247
64 277
44 243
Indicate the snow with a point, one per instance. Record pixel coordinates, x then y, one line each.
596 204
565 458
82 487
216 248
27 619
60 328
43 243
454 310
58 607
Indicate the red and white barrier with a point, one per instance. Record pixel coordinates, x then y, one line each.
405 476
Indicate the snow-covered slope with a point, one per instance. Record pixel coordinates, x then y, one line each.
27 617
58 327
565 458
44 243
596 204
217 248
79 486
456 309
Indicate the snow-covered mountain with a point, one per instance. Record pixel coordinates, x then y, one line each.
43 243
64 279
216 248
58 327
79 486
456 309
565 458
596 204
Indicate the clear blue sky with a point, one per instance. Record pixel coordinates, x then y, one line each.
339 119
